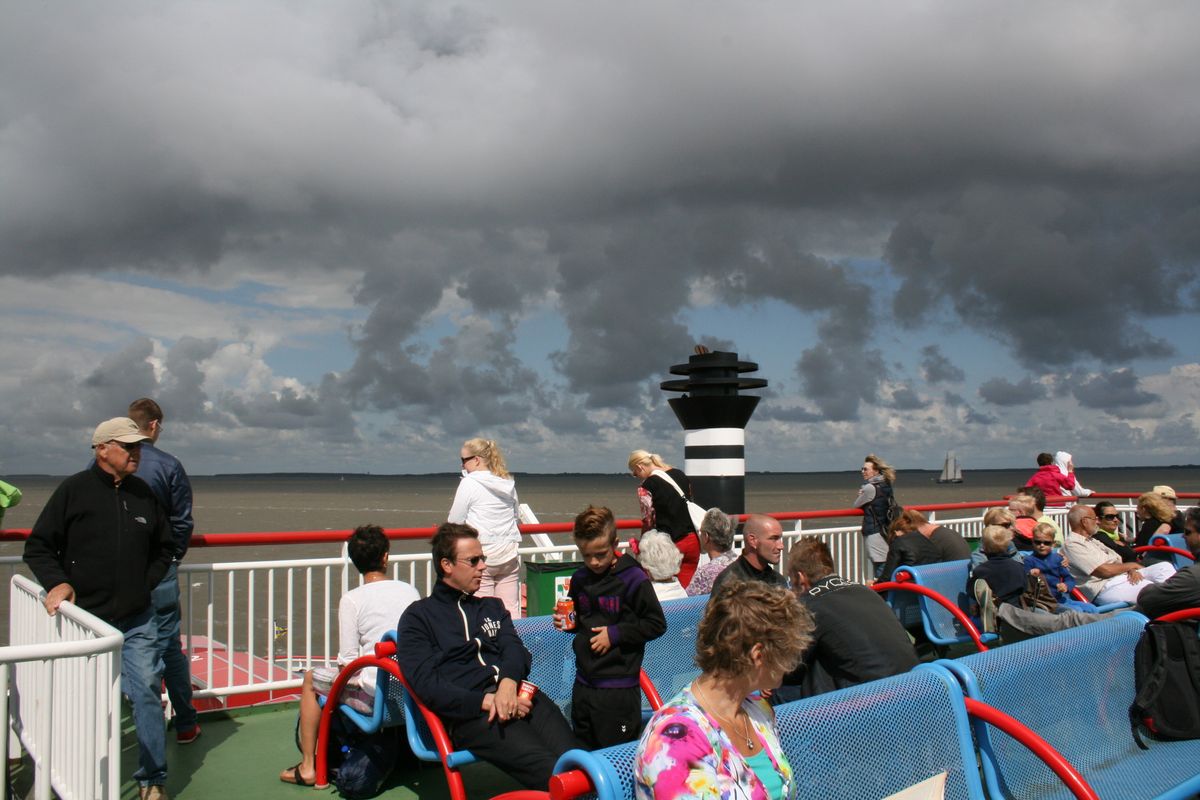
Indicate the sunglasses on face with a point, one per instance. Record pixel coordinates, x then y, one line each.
1045 542
1110 516
474 561
128 447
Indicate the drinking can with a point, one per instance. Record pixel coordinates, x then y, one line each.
566 609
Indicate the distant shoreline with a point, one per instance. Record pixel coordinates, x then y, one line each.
382 476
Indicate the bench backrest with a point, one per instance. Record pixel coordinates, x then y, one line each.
877 738
948 579
1073 687
553 667
670 660
1171 540
870 740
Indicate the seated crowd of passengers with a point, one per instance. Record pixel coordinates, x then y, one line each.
463 658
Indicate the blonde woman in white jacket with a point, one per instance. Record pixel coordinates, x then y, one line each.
487 501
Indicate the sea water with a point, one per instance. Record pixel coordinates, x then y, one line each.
269 503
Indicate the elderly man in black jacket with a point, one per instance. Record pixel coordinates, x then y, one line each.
463 658
103 542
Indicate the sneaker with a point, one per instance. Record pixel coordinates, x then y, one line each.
987 607
154 792
188 736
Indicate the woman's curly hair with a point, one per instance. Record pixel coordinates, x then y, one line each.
744 613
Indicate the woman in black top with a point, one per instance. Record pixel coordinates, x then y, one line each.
663 507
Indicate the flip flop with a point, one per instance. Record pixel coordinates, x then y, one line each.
296 777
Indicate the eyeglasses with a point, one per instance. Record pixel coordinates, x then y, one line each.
1047 542
1111 516
474 561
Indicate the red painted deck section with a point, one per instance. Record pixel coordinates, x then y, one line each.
235 668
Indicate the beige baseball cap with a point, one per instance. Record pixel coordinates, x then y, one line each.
118 429
1165 491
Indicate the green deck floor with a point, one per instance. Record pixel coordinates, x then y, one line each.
241 754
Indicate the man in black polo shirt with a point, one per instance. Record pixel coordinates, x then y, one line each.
762 547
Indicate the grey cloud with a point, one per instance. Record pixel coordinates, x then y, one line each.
119 378
1057 273
905 399
974 417
936 368
1003 392
323 410
182 394
793 414
837 381
1113 390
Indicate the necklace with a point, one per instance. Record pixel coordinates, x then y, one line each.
746 726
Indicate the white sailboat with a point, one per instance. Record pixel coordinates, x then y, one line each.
951 472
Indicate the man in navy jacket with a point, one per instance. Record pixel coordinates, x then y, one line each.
464 660
169 482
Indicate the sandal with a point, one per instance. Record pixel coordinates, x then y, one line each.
295 777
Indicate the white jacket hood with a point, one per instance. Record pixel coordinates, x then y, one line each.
505 487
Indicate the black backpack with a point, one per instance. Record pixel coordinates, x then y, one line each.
891 513
1166 666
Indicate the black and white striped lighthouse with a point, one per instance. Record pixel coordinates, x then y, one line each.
714 418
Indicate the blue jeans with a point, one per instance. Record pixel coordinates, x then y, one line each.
140 682
176 670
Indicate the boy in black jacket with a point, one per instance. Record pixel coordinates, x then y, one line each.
616 613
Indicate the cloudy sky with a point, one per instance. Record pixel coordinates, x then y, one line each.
346 236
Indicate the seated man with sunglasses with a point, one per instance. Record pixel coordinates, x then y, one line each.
463 659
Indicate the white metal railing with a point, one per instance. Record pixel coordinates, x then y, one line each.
849 554
63 701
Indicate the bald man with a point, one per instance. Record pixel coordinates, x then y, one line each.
762 547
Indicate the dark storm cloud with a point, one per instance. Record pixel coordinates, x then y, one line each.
936 368
1003 392
1113 390
481 159
1058 274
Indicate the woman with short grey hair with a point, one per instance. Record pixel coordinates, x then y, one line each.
716 537
661 559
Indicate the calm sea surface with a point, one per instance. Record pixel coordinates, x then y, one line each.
228 504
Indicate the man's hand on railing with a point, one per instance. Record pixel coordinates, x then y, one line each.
55 597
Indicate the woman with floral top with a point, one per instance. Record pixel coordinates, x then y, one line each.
716 740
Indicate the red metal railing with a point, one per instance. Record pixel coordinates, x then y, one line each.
338 536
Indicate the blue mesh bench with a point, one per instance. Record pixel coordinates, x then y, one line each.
1074 688
1169 547
670 662
942 617
866 741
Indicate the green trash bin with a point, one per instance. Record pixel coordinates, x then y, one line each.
545 583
